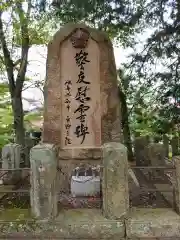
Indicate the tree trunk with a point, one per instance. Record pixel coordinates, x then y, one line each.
18 120
125 125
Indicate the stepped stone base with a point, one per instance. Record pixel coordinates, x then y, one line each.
70 224
140 224
143 223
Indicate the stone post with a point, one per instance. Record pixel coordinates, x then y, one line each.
43 160
174 145
176 161
156 154
11 159
115 180
166 144
140 144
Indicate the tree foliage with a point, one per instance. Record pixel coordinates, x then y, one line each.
156 68
150 81
118 18
21 26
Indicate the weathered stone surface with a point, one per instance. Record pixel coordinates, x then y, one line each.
140 144
80 153
43 159
149 238
115 181
176 161
108 104
62 96
156 154
11 158
152 223
140 224
166 145
175 146
70 224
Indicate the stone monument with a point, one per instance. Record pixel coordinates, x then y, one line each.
82 124
82 107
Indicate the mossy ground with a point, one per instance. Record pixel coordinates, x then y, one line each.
13 214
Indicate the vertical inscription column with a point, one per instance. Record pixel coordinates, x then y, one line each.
67 102
82 96
80 79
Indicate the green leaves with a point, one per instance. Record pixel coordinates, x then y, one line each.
117 18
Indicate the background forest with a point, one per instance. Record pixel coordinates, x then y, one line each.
149 78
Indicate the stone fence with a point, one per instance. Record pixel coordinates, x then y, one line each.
115 190
115 216
171 147
132 223
44 162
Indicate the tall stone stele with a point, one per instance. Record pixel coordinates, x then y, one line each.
82 106
82 112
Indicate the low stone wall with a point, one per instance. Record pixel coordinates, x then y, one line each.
90 224
115 220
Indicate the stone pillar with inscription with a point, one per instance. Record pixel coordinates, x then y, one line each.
82 106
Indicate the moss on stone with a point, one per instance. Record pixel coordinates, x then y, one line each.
15 214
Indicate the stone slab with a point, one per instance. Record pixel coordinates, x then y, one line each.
70 224
104 116
11 159
80 153
80 91
168 195
151 223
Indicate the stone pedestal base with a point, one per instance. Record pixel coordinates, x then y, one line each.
143 223
70 224
140 224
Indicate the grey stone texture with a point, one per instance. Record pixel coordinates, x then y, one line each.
116 221
175 146
110 122
152 223
176 162
109 101
43 160
139 224
70 224
140 151
11 158
115 181
156 154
